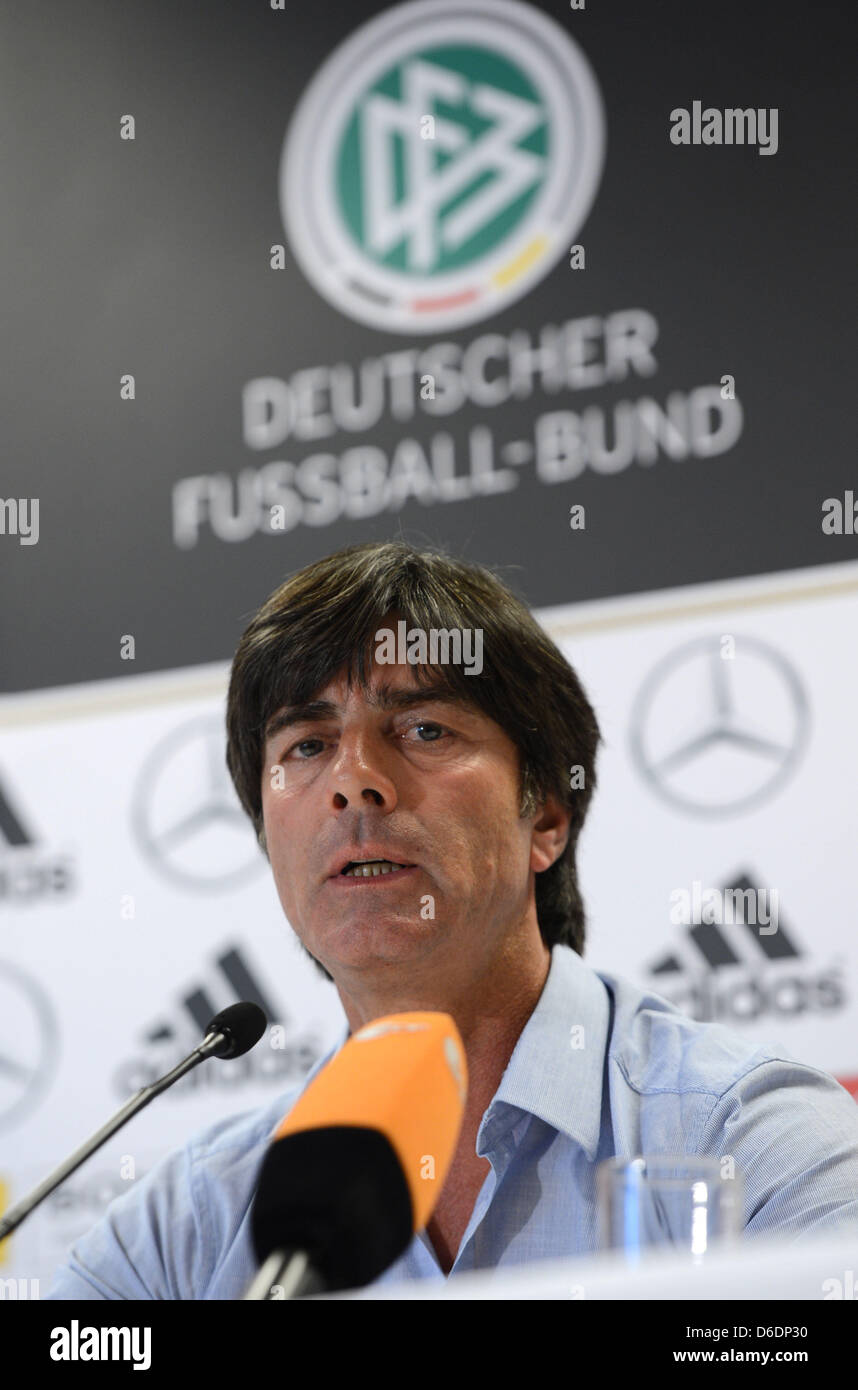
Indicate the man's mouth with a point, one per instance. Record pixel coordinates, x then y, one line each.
372 868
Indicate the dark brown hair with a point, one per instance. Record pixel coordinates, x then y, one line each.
324 619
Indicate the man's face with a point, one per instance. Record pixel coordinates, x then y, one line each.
433 785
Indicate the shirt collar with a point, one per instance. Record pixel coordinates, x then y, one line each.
557 1066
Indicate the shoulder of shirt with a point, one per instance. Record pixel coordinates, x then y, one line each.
251 1130
244 1132
659 1049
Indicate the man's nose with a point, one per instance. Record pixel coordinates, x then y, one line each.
361 772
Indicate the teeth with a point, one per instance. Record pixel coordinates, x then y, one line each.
372 869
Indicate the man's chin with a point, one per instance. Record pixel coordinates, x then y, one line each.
367 945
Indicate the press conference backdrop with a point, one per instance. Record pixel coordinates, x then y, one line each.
560 288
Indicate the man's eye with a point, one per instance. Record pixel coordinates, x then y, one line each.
302 744
426 724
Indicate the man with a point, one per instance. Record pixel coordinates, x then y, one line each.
421 825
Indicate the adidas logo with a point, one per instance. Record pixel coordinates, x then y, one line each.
199 1008
279 1059
28 872
737 973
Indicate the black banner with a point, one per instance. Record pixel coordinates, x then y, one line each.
564 288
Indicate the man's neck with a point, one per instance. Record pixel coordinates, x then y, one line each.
490 1015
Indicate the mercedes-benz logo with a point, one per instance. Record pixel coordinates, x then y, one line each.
186 814
717 736
29 1044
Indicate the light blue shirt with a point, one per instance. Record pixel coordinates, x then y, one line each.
642 1078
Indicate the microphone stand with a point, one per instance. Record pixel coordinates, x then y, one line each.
291 1274
207 1048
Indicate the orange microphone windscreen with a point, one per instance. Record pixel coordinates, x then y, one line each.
404 1075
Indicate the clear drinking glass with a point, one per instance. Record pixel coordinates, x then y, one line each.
690 1203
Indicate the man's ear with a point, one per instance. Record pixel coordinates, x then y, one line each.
550 834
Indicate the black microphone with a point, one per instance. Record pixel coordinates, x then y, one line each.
231 1033
236 1030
